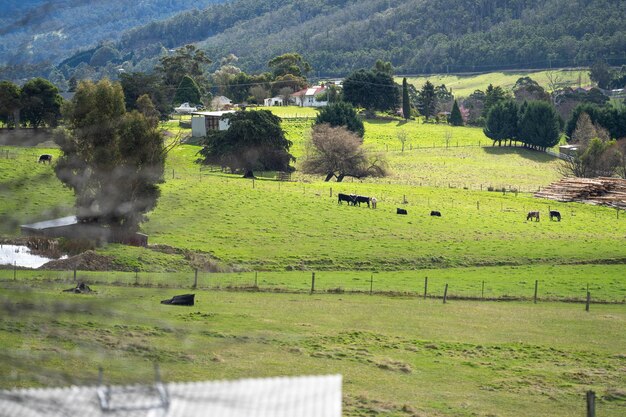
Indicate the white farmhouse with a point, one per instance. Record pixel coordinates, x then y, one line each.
204 121
307 97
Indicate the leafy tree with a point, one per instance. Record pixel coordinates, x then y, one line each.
187 91
341 114
112 160
104 55
259 93
238 88
600 73
586 130
527 89
502 121
370 90
186 61
10 103
539 125
612 119
293 82
493 95
136 84
384 67
254 141
291 63
337 152
599 159
427 101
456 119
406 103
41 103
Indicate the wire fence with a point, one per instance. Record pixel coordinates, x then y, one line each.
398 283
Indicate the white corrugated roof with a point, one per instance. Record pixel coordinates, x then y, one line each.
63 221
309 396
212 113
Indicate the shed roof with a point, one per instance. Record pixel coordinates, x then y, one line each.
48 224
310 396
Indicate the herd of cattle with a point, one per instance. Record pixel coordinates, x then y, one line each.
356 200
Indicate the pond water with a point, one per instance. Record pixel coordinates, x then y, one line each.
20 255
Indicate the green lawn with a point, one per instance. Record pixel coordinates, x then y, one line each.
398 356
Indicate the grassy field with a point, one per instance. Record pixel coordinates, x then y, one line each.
463 86
399 357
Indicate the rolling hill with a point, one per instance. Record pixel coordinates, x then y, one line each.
34 31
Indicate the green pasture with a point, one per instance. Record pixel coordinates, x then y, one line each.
154 269
265 224
29 191
464 85
398 356
270 225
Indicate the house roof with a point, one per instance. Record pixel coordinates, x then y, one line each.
311 396
312 91
48 224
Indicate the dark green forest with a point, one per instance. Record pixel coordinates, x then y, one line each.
417 36
339 36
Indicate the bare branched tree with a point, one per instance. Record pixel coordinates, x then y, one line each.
337 152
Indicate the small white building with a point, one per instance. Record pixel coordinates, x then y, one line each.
274 101
307 97
204 121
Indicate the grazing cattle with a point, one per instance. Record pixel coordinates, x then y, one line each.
345 197
374 201
358 199
532 215
401 211
45 158
435 213
555 214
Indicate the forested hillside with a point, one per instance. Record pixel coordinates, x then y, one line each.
33 31
335 36
417 36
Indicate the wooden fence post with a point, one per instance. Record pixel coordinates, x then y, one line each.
371 283
445 294
588 301
312 282
536 286
74 274
331 191
256 279
195 278
482 292
425 287
14 270
591 404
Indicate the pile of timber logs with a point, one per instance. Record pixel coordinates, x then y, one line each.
601 191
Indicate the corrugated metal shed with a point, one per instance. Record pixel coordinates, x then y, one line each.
309 396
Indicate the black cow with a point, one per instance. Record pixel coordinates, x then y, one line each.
401 211
361 199
553 214
435 213
45 158
345 197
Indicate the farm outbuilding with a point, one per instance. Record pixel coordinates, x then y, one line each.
205 121
311 396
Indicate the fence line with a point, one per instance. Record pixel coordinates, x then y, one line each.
324 282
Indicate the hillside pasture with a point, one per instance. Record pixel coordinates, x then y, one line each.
267 224
464 85
398 357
